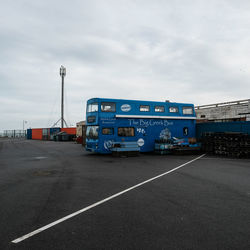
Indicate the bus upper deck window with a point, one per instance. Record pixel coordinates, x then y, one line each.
108 107
187 110
159 109
144 108
173 109
92 107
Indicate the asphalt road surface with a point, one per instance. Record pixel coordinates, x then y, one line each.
204 204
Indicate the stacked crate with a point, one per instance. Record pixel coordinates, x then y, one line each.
227 144
207 141
163 147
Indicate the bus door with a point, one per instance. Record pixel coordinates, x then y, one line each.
107 137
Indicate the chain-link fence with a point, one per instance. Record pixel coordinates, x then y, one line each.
13 134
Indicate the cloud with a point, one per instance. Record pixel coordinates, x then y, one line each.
151 50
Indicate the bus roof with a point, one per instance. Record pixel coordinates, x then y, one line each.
97 99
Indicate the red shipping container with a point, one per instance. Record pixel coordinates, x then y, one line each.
37 134
70 131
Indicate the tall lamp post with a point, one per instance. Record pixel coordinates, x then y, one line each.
62 74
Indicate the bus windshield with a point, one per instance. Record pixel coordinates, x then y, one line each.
92 132
92 107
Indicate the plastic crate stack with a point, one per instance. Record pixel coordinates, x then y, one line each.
163 147
227 144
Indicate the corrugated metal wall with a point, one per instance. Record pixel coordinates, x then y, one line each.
29 133
47 133
37 134
54 131
242 127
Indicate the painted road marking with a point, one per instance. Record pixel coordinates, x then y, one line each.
40 157
39 230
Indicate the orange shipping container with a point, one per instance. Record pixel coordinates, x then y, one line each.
70 131
37 134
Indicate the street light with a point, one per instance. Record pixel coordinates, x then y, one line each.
62 74
62 71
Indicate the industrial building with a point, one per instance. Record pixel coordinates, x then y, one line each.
224 112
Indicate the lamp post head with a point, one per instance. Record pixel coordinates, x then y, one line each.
62 71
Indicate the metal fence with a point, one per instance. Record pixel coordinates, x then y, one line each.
13 133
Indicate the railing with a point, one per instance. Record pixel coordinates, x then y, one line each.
240 102
13 133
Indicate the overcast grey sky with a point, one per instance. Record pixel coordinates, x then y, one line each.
184 51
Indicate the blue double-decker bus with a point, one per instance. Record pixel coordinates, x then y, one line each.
115 120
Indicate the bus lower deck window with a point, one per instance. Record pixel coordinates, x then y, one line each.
108 131
126 132
185 131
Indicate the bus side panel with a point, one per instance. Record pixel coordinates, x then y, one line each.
146 132
149 130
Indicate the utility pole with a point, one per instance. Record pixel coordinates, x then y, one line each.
62 74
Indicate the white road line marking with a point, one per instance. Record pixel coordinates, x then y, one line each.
40 157
39 230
